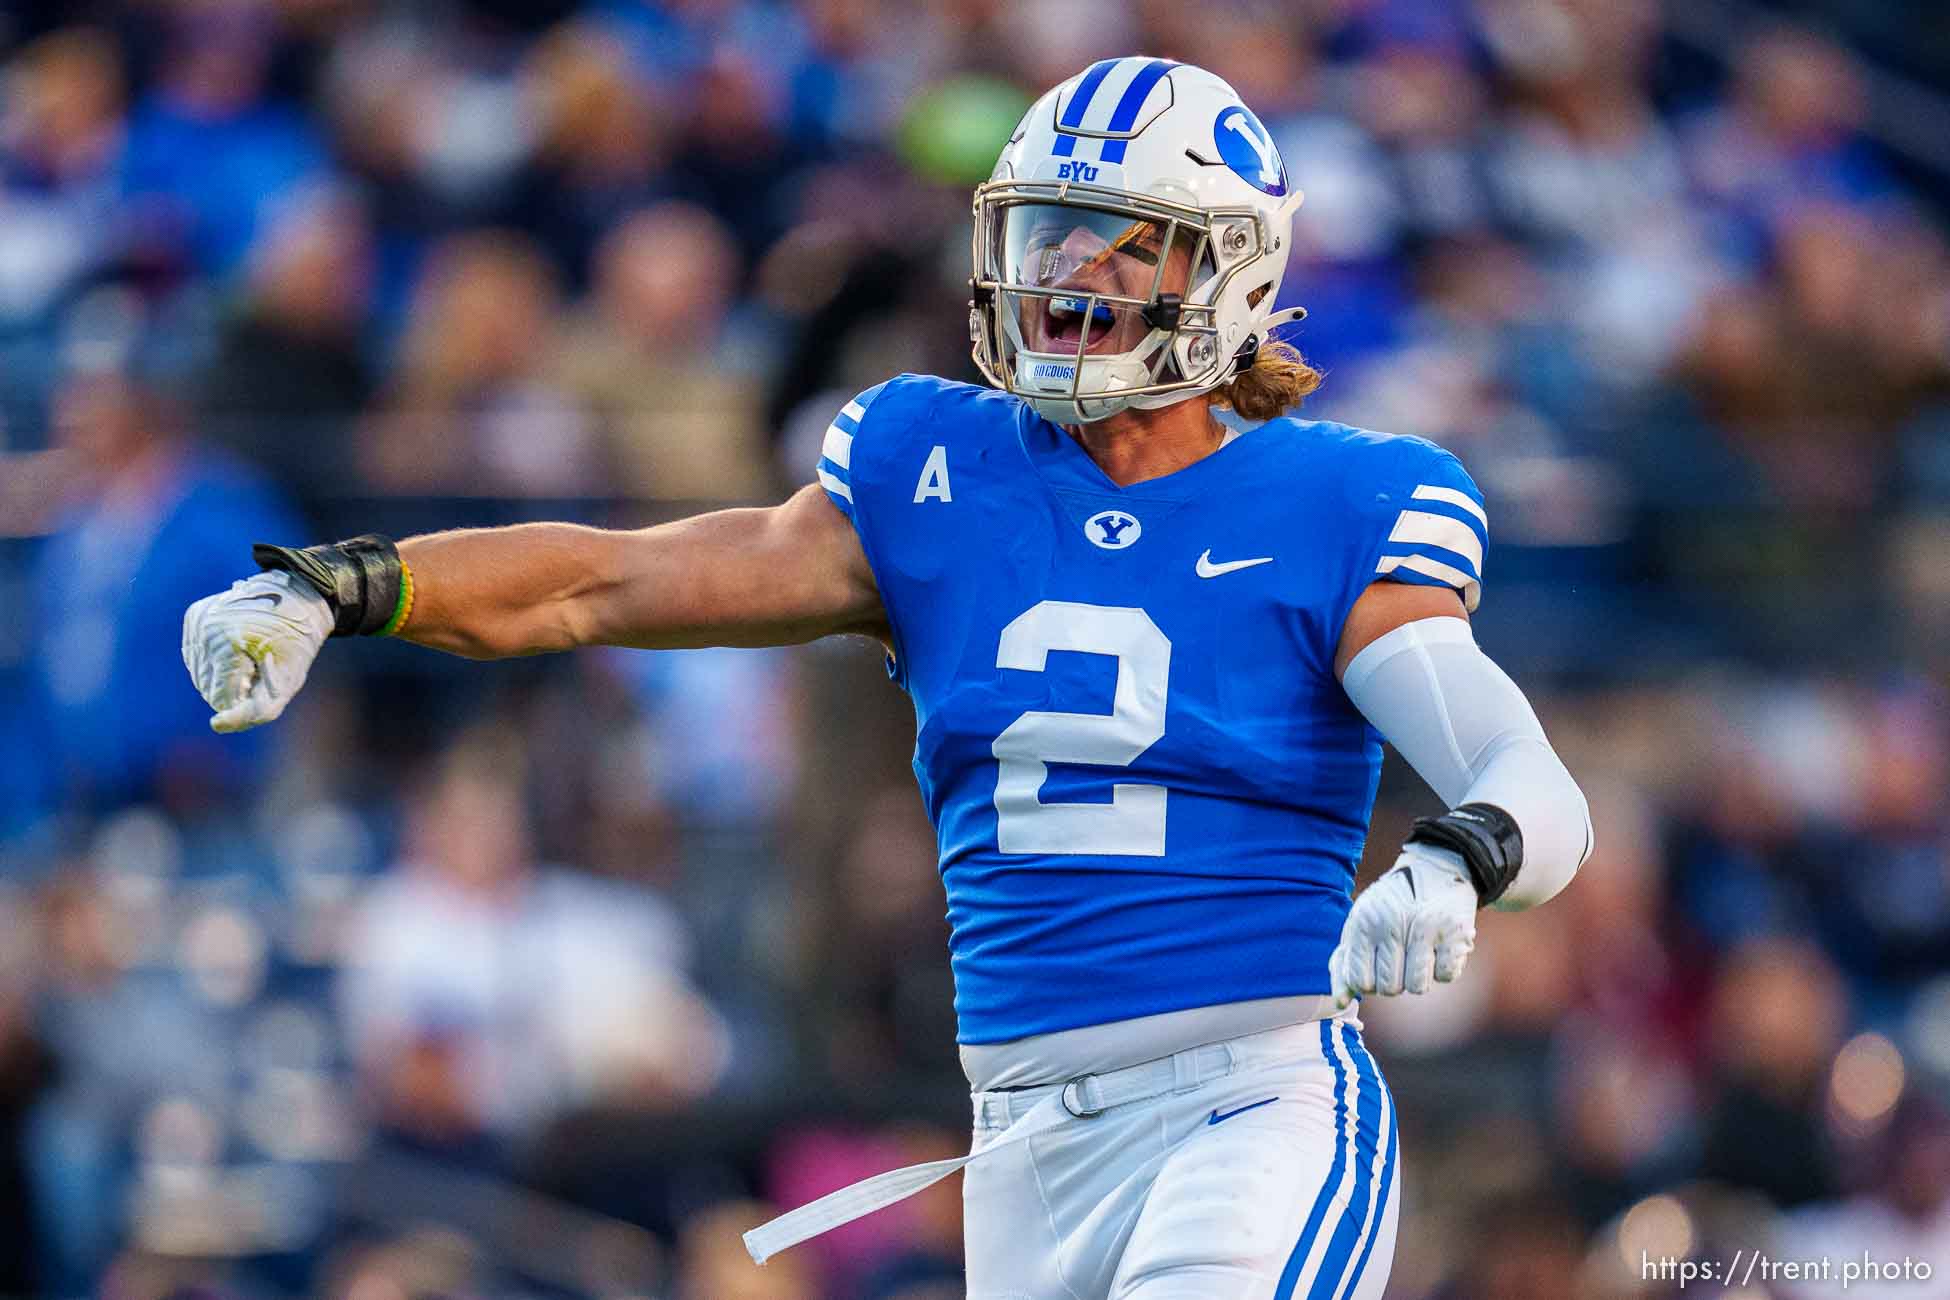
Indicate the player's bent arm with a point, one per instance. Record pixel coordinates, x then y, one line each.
1411 665
750 577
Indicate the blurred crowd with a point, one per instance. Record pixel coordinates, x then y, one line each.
550 977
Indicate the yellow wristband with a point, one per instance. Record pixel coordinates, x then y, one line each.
403 610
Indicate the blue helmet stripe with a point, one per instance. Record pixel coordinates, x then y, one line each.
1093 77
1127 108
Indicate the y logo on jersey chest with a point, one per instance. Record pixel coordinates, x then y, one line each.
1113 530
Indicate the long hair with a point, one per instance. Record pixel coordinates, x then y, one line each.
1278 381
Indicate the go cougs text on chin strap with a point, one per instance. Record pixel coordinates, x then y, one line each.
1468 731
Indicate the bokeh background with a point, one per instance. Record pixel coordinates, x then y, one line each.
547 978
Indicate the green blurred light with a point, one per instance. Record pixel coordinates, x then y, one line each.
953 132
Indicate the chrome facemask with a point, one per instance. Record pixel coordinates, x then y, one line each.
1070 306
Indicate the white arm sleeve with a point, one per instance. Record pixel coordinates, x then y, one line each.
1467 729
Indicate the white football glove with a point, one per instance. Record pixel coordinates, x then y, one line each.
1416 923
248 649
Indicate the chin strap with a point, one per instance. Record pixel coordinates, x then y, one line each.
1248 353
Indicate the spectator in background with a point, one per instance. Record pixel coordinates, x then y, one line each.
290 376
1777 1016
864 60
1517 1248
1623 1121
1587 170
1789 133
735 157
681 420
719 737
603 146
61 142
383 86
473 409
892 993
487 994
155 518
1901 1211
1809 373
1584 156
143 1063
209 153
26 1072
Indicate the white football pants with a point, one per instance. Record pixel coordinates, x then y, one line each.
1261 1168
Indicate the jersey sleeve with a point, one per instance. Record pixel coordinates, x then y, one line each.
1436 528
836 452
853 470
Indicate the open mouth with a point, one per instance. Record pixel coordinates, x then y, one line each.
1060 324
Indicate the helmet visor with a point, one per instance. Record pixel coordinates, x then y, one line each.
1089 274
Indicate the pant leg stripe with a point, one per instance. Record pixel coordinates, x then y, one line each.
1381 1200
1367 1146
1290 1275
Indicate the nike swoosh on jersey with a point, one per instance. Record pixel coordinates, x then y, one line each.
1217 1118
1207 569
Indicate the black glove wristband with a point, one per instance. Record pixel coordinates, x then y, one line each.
1485 837
359 578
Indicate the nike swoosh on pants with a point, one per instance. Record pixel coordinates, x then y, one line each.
1217 1118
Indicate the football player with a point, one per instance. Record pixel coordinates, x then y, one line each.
1152 661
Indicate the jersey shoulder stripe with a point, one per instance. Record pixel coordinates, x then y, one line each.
1417 513
1440 538
835 469
887 451
880 422
1441 531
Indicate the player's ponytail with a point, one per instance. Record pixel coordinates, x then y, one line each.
1278 381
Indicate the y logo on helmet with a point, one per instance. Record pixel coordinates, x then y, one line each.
1076 171
1112 529
1247 149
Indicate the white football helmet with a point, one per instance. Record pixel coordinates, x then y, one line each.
1130 244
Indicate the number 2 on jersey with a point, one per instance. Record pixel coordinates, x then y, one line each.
1133 822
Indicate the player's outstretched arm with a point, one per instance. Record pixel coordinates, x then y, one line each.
1517 828
776 576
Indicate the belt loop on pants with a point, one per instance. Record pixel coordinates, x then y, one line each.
1083 1097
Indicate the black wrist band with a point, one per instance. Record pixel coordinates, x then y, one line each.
359 578
1485 837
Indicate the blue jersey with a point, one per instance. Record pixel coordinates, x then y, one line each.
1149 788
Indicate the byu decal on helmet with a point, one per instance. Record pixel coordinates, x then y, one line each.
1131 243
1248 150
